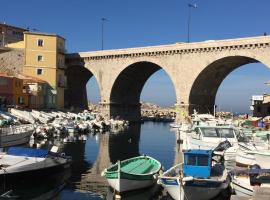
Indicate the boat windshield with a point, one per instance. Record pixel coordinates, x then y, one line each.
241 137
218 132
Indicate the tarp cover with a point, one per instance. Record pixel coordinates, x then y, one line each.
29 152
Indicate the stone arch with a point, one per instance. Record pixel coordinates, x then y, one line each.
77 77
205 86
127 88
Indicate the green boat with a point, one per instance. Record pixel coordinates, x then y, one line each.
132 174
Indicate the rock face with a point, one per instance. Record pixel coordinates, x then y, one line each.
12 61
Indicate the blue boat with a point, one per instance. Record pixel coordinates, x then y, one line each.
201 176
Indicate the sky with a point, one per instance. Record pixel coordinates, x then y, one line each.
137 23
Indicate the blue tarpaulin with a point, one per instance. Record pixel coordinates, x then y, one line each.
29 152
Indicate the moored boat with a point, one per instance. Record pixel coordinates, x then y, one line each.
246 180
208 137
15 135
23 165
197 178
132 174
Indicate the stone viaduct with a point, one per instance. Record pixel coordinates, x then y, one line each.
196 70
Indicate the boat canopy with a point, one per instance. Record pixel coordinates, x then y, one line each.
29 152
197 163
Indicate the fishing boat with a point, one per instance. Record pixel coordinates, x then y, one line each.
132 174
20 165
197 178
15 135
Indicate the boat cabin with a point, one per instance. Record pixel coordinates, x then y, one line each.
215 133
198 163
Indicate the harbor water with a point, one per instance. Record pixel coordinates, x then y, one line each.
99 151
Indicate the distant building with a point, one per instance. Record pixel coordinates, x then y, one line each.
12 91
10 34
45 60
260 105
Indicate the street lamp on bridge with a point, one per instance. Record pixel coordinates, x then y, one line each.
189 17
102 32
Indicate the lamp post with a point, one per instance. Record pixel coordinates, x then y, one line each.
102 32
189 17
3 39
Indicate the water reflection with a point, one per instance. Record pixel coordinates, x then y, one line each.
125 145
112 147
34 189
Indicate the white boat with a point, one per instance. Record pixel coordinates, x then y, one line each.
175 125
250 157
197 178
208 137
22 165
15 135
23 115
245 181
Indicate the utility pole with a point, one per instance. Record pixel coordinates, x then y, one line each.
189 18
102 32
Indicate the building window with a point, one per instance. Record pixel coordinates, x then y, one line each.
20 100
40 43
39 71
40 58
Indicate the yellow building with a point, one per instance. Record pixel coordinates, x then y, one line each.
45 60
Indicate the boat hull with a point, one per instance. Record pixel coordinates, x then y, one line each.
15 180
125 185
15 139
201 190
244 159
242 188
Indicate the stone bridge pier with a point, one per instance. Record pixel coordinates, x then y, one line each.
195 69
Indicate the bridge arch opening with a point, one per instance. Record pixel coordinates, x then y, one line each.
127 89
93 91
78 76
203 94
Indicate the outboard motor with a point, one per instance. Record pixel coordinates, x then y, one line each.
253 175
223 146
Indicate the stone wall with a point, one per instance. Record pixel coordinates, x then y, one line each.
12 61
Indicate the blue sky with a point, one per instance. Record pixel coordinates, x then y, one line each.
152 22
